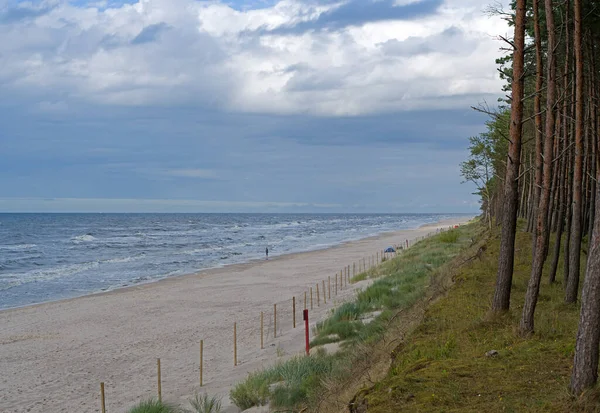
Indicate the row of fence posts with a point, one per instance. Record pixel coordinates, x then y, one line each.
342 281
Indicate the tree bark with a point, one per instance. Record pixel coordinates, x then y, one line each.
575 247
560 220
585 364
526 325
501 300
537 107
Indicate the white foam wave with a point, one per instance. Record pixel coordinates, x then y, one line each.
83 238
195 251
123 259
17 247
49 274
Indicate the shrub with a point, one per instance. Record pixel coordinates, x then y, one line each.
449 237
203 403
299 377
153 406
254 391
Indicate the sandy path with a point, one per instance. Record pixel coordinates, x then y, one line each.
53 356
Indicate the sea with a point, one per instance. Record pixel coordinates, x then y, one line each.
48 257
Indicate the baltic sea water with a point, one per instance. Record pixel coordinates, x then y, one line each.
47 257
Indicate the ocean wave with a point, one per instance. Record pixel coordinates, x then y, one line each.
49 274
83 238
195 251
113 250
123 259
17 247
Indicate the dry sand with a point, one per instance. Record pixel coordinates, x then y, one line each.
53 356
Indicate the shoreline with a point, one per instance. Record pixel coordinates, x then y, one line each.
55 354
241 265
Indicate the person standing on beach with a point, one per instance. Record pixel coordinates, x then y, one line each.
267 252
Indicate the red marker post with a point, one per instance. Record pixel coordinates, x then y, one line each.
305 317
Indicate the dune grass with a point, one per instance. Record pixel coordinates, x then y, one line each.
285 384
443 365
400 282
200 403
204 403
153 406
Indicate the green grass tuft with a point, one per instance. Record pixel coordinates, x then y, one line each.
292 382
153 406
449 237
203 403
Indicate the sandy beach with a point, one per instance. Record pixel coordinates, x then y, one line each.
53 356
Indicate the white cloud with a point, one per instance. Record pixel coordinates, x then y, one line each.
213 55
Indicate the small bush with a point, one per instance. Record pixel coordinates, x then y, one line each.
299 377
203 403
153 406
449 237
254 391
359 277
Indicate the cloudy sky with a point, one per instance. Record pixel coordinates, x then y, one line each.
242 105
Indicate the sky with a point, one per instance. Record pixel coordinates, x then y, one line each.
242 105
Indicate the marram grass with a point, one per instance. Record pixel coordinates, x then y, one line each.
399 283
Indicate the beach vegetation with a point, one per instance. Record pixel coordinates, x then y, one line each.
285 384
399 283
154 406
449 236
204 403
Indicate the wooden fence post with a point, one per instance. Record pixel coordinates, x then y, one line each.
261 330
159 384
324 293
294 311
102 401
234 343
274 320
201 360
318 299
329 286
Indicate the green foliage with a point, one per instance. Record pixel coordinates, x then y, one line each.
291 382
449 236
153 406
203 403
254 391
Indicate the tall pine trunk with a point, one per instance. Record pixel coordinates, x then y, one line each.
585 364
576 218
560 220
541 229
501 300
537 108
